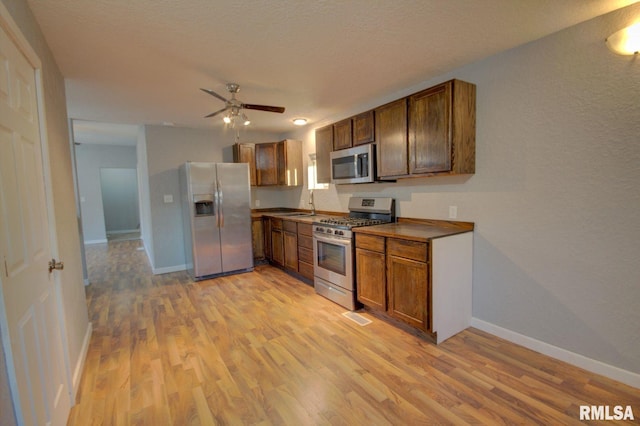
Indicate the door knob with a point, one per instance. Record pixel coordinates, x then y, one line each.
53 264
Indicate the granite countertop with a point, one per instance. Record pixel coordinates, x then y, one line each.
422 232
296 216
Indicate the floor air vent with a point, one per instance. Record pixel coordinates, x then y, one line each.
357 318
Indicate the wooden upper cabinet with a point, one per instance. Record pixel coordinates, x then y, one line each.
363 128
342 134
266 164
442 129
245 153
324 145
279 163
391 132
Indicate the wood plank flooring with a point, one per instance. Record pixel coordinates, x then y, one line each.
262 348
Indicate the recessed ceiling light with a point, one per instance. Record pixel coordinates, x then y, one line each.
299 121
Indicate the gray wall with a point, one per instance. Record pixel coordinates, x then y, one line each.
73 296
89 160
120 199
555 195
167 148
143 193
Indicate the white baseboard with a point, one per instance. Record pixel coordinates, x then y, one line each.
95 241
168 269
77 372
122 231
628 377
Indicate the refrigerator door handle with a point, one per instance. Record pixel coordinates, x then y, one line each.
216 204
220 206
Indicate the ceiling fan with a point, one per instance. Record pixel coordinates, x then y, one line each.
234 106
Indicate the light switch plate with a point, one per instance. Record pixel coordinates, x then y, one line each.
453 212
168 198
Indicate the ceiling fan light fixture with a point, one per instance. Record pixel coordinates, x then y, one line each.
626 41
245 119
226 119
300 121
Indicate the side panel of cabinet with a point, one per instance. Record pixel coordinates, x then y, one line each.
257 235
408 291
391 131
370 279
464 127
324 145
266 223
430 130
342 134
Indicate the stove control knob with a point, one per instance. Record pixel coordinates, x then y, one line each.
339 233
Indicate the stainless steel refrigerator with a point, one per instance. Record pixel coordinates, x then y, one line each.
216 215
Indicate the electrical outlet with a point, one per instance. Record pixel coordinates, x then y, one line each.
257 203
168 198
453 212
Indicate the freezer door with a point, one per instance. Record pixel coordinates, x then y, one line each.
205 233
234 216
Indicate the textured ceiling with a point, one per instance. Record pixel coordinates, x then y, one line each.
143 61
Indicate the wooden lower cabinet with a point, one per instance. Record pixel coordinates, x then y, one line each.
408 291
370 278
290 242
277 242
289 245
392 275
305 250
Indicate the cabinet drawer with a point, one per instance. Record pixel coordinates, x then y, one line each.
305 254
305 229
408 249
289 226
305 241
276 223
370 242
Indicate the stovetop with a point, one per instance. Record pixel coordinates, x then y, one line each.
349 222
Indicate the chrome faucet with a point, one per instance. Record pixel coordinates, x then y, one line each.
313 206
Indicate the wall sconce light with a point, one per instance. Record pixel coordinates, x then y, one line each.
626 41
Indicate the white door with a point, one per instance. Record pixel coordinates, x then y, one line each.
28 298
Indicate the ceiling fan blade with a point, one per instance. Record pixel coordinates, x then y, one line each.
212 93
215 113
264 108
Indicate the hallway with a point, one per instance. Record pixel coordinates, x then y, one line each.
263 348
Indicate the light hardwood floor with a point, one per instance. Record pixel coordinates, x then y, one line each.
263 348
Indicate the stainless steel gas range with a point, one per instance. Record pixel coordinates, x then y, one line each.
334 247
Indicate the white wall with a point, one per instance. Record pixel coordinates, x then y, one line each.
555 195
166 149
89 160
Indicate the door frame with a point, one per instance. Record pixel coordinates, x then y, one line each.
14 32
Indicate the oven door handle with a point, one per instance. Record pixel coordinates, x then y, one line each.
338 241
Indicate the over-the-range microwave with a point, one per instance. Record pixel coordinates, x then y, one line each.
354 165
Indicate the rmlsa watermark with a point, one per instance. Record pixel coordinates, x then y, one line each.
606 412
